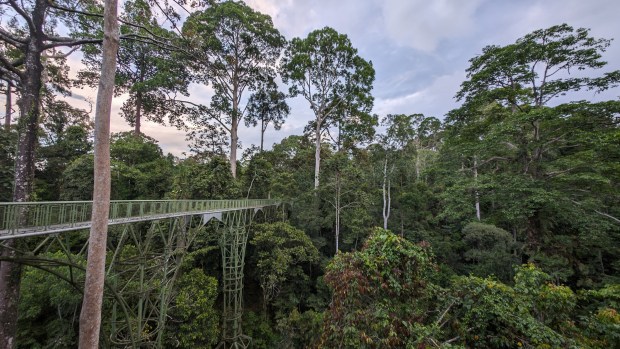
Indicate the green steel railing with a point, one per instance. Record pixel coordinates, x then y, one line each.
19 219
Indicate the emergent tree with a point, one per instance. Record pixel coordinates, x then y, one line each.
237 48
325 69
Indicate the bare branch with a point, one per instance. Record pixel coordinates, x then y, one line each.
608 216
11 39
72 42
22 13
66 9
444 313
11 66
510 145
452 340
165 13
62 8
60 55
8 75
617 220
493 158
557 173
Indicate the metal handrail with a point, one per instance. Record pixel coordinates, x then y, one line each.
35 218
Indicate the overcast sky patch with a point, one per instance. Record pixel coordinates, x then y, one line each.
419 48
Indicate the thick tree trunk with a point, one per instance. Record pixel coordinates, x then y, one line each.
234 125
476 193
9 108
337 211
262 133
10 275
90 317
234 140
387 198
28 127
417 161
317 155
138 115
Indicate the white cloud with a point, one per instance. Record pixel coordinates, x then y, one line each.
434 100
269 7
422 24
419 48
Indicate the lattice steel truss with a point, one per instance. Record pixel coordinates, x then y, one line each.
233 241
142 267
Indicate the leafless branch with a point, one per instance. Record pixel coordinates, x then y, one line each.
510 145
71 42
493 158
452 340
557 173
129 36
8 75
22 13
608 216
11 66
11 39
70 10
617 220
60 55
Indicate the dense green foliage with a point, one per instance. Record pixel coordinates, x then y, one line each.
196 323
501 222
386 296
282 250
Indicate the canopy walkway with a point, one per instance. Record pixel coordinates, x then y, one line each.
21 219
148 257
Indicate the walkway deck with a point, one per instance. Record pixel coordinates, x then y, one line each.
22 219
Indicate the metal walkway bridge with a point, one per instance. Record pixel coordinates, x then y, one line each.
21 219
149 257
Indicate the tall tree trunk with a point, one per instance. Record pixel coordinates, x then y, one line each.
317 154
234 140
387 198
234 125
262 132
90 317
417 160
28 127
476 193
138 115
337 211
9 107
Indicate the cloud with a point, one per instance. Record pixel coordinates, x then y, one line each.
170 139
268 7
419 48
434 100
422 24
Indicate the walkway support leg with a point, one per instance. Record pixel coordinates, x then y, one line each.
233 241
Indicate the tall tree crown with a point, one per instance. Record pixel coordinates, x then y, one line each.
325 69
538 67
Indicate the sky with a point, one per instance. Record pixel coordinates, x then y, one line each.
419 48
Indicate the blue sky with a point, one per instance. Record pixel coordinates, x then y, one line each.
419 48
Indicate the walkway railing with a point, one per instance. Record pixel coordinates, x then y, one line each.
20 219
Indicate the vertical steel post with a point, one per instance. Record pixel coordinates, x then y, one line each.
233 241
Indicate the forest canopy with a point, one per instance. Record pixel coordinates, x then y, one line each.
494 226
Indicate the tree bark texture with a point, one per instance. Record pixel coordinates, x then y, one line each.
387 197
338 208
234 140
317 155
9 108
234 125
476 193
263 127
28 127
90 316
138 114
